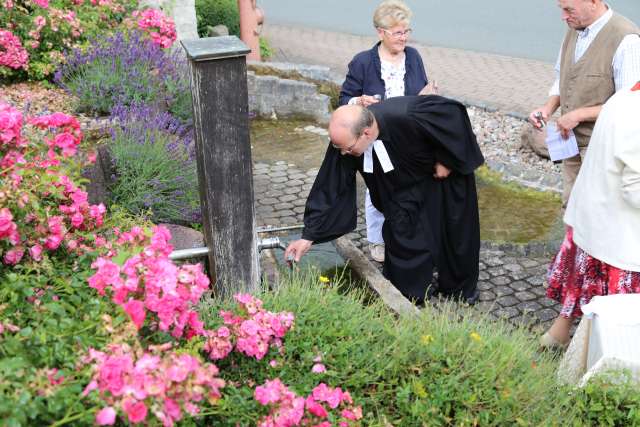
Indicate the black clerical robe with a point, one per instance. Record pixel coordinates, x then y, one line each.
428 222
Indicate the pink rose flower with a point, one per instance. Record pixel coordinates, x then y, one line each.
106 416
135 310
36 252
318 368
136 411
315 408
13 256
12 53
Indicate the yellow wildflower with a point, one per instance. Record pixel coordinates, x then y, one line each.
475 336
426 339
418 390
324 279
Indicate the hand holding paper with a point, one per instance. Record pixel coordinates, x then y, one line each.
560 148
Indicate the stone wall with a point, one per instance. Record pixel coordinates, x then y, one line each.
273 97
318 73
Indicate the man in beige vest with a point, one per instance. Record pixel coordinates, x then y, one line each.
599 56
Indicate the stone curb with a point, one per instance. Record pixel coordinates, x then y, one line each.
531 249
376 281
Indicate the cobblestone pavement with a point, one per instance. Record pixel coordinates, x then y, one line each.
511 286
512 85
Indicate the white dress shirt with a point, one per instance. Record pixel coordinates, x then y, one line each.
626 60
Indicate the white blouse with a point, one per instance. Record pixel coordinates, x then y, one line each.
393 76
604 207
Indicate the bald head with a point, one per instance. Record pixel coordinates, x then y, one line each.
352 128
352 119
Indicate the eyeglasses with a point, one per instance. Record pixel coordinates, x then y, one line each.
397 34
349 149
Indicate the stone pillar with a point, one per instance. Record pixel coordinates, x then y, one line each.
221 123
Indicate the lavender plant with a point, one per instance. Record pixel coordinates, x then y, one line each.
124 68
155 166
179 91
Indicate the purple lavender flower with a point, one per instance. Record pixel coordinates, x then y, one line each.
124 68
155 162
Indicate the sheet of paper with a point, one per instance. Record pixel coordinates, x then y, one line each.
560 148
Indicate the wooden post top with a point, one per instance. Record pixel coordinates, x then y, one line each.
211 48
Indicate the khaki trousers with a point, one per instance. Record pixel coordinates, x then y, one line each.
570 169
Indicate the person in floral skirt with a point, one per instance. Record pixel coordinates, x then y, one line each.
600 254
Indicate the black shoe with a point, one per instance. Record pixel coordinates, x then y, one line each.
473 299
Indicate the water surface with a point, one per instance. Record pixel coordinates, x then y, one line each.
508 212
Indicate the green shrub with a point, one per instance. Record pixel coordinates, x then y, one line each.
58 315
210 13
608 401
446 367
265 48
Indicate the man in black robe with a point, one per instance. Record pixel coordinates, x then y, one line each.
420 154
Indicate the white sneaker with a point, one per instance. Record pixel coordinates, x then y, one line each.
377 251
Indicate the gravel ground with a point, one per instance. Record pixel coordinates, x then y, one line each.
499 139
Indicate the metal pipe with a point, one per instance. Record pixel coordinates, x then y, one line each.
189 253
274 229
266 243
270 243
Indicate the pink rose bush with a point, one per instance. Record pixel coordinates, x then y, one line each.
160 28
287 409
157 383
148 285
43 209
252 332
34 34
141 376
12 53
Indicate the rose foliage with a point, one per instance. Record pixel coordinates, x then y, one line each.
35 34
99 325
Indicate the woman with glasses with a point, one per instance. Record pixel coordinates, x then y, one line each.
388 69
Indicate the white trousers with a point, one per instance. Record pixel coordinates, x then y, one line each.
374 219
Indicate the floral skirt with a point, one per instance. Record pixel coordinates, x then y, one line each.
574 277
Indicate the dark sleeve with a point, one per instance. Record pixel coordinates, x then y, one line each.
354 82
422 73
445 124
331 211
418 77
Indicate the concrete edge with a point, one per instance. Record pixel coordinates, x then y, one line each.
376 281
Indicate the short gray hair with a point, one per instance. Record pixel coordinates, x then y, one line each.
364 120
390 13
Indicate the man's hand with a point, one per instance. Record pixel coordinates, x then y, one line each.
440 171
297 249
533 119
567 122
366 100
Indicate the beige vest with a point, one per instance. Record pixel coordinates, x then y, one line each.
589 82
